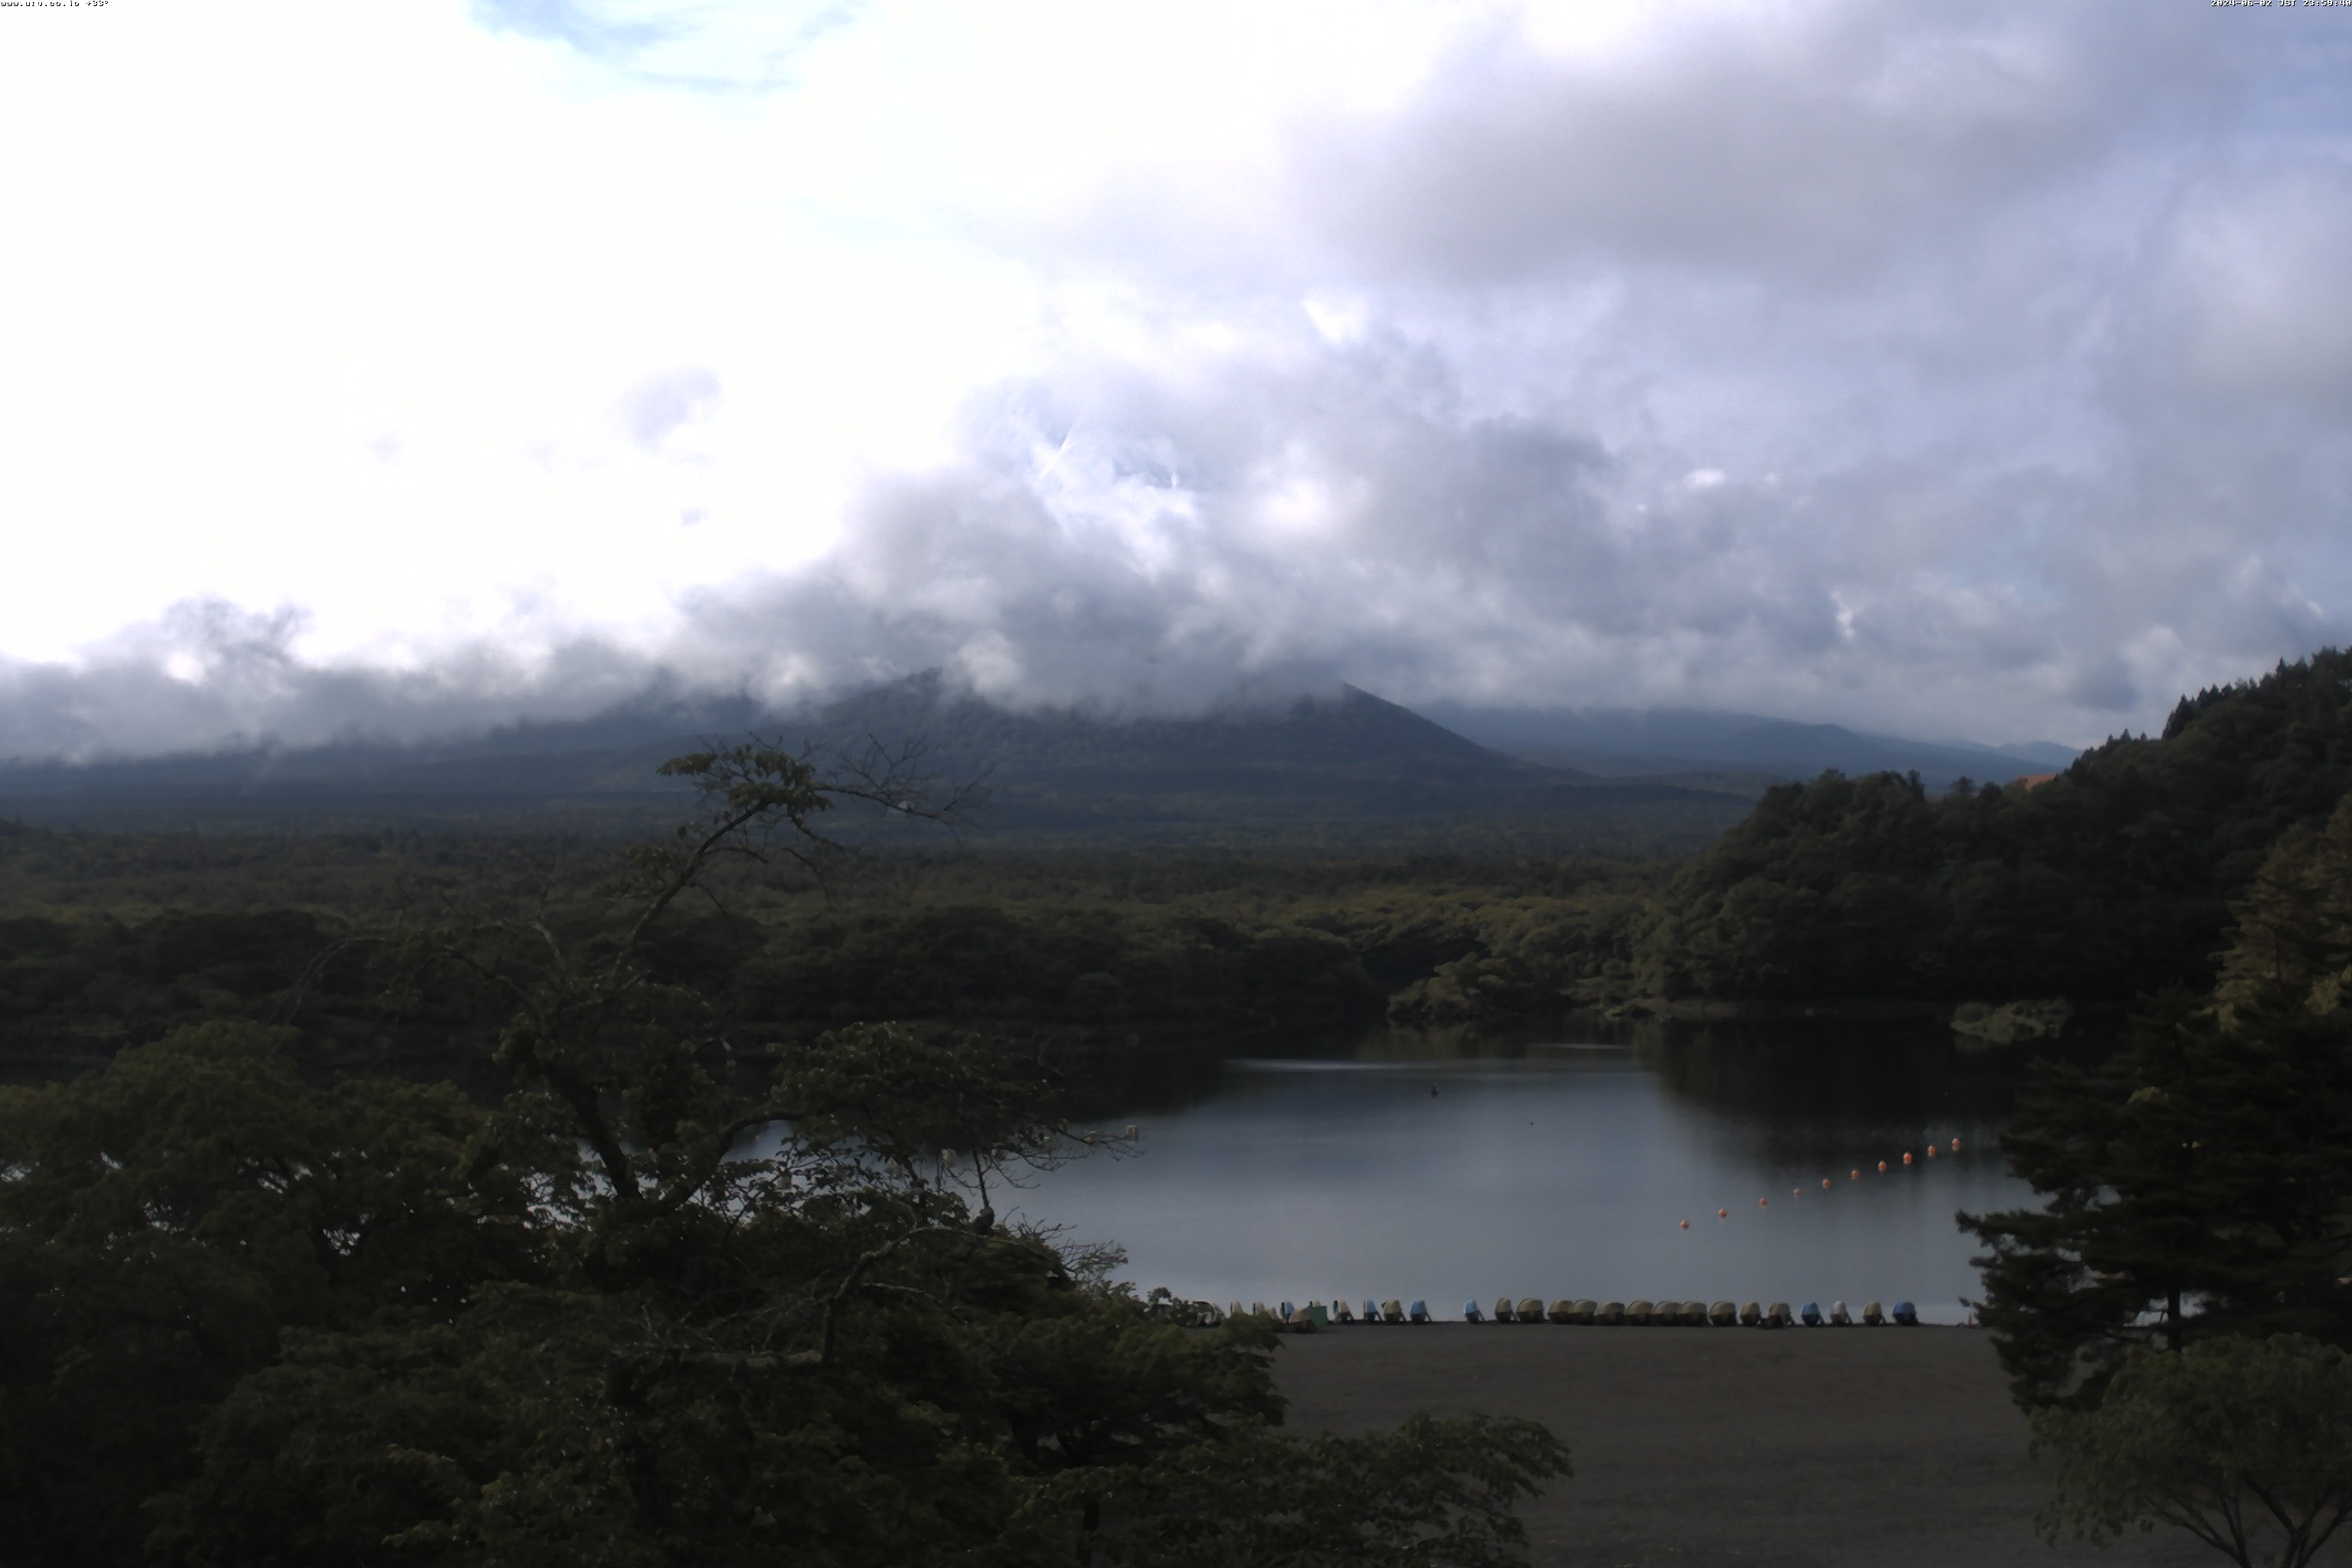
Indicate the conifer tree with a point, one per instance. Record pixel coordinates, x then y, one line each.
2202 1183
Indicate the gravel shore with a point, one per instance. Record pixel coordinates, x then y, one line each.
1796 1449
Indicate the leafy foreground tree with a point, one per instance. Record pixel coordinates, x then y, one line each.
2200 1183
655 1308
2246 1444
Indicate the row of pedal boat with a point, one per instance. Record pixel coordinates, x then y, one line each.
1692 1314
1316 1315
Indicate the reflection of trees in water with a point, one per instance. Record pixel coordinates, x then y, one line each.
1836 1075
1171 1075
1445 1043
1826 1076
1139 1079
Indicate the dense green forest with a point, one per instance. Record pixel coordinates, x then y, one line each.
109 940
2113 879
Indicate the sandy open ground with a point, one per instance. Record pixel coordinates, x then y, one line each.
1827 1448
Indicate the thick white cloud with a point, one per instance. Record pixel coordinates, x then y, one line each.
1979 373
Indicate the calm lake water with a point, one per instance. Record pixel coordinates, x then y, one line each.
1559 1166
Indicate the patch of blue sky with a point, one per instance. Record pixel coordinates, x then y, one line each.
702 45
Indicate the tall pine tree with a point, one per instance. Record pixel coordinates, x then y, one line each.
2202 1183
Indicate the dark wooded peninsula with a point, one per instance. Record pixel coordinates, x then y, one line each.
575 1145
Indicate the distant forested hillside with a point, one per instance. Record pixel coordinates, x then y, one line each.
1344 773
2113 879
1669 742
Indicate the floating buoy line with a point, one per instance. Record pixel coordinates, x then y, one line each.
1827 1184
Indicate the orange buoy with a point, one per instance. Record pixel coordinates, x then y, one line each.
1686 1225
1907 1159
1723 1213
1855 1174
1882 1167
1956 1145
1763 1202
1825 1182
1931 1151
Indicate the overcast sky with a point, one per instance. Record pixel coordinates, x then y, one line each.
1957 370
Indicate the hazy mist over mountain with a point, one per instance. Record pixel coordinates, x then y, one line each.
1338 770
1969 373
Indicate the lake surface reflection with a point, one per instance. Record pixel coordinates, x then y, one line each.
1561 1167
